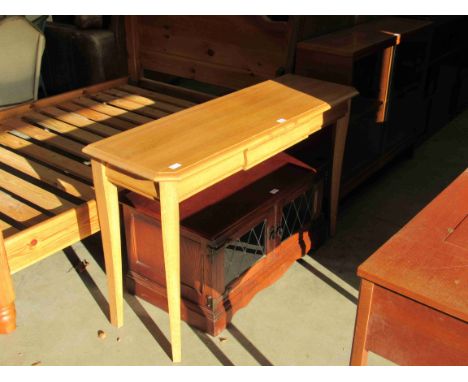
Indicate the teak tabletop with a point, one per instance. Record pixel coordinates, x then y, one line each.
182 154
413 299
427 260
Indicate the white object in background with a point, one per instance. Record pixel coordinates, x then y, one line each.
21 47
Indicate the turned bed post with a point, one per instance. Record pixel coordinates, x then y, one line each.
7 294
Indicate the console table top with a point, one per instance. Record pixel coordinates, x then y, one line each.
217 130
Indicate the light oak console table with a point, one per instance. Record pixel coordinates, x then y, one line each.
180 155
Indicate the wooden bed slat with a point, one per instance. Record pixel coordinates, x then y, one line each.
4 225
36 243
17 111
96 116
61 127
176 91
7 229
159 105
20 212
112 110
47 156
34 194
79 121
47 175
156 96
47 137
129 105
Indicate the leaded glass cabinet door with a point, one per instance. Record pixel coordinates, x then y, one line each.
247 248
299 211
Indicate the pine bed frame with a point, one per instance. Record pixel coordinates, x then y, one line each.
47 200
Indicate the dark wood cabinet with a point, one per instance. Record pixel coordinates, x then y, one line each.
446 82
405 118
237 237
386 61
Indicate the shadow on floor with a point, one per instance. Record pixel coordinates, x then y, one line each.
149 323
328 281
87 280
101 300
249 346
217 352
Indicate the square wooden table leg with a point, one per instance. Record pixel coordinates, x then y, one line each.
170 226
359 350
7 294
339 141
107 200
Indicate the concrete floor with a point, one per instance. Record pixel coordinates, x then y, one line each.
306 318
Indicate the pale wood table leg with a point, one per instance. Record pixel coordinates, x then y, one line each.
339 141
385 78
7 294
171 243
359 351
108 211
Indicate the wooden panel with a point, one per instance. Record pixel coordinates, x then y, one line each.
33 194
61 127
46 137
126 104
230 51
410 333
160 105
79 121
36 243
47 175
226 126
96 116
47 156
157 96
112 111
18 211
232 78
130 182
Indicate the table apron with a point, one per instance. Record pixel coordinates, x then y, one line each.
410 333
